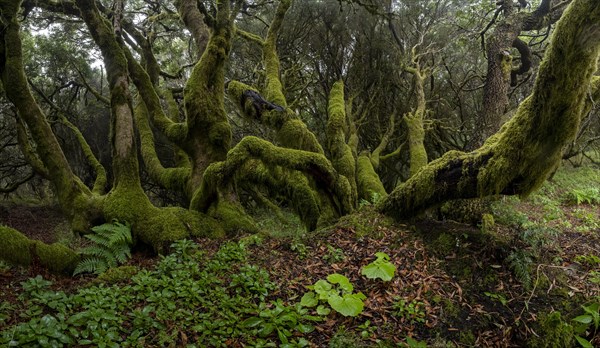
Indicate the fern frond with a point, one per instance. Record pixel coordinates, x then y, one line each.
91 265
112 243
99 239
121 252
121 234
97 251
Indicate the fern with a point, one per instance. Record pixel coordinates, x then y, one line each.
111 247
520 262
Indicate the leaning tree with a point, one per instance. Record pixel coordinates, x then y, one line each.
320 181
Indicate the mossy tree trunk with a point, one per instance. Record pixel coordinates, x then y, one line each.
520 157
515 161
415 119
501 75
49 160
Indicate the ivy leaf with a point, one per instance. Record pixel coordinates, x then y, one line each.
322 310
323 288
342 281
309 300
381 268
347 305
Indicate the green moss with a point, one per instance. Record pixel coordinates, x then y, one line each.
233 219
467 337
368 182
553 332
487 223
56 257
20 250
416 138
117 274
274 89
15 247
444 244
364 222
294 134
341 154
157 227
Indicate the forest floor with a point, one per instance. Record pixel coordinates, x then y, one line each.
519 277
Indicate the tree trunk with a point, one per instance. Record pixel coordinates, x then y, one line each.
529 148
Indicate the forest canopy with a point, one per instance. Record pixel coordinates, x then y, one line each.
185 118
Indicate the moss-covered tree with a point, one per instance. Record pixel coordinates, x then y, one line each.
214 175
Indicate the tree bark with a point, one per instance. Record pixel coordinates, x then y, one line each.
500 73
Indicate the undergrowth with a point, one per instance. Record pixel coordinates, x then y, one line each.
188 300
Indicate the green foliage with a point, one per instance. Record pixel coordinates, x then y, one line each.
553 332
277 318
587 324
520 262
344 338
4 267
300 248
229 291
412 343
111 247
374 199
334 254
585 195
381 268
338 292
590 260
505 212
497 297
413 311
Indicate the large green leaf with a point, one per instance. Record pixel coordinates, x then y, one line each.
342 281
347 305
309 299
381 268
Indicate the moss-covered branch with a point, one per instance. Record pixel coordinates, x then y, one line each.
337 128
291 131
194 21
174 131
28 151
175 179
250 37
385 140
101 179
17 249
368 182
99 186
519 158
316 166
69 188
274 89
414 119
